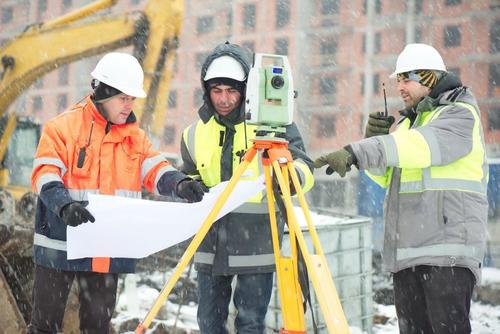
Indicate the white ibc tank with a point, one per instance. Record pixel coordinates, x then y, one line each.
347 244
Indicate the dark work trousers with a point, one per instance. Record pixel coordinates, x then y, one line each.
251 299
431 299
97 295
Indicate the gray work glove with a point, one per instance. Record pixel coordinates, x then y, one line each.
378 124
339 161
74 214
191 190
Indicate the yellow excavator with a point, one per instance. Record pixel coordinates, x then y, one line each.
41 48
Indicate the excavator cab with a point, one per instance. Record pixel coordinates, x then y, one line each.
18 159
19 138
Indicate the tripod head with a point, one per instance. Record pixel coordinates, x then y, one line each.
270 96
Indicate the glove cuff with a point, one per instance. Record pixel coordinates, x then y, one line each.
348 148
167 184
180 181
64 208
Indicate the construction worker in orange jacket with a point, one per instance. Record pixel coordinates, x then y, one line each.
94 147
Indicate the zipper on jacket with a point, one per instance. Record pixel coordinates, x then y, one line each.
221 138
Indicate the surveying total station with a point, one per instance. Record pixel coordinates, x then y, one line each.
269 104
270 96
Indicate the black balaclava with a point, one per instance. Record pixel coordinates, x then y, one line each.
103 92
238 85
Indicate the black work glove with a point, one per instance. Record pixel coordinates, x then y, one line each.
75 214
339 161
191 190
378 124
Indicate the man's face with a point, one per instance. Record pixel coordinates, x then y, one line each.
118 108
225 99
411 91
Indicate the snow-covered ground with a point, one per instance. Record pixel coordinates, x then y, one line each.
136 300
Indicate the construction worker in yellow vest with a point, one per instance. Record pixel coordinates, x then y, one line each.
434 167
239 244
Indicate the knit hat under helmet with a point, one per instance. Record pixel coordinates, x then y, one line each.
427 78
103 92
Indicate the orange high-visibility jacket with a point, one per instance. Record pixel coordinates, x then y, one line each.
80 153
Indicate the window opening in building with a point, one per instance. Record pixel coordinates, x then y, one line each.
172 99
452 36
205 24
281 46
249 15
282 13
326 126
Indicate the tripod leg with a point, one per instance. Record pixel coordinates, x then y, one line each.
195 243
272 214
286 271
286 178
316 264
305 208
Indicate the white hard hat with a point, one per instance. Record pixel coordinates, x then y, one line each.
121 71
225 67
418 57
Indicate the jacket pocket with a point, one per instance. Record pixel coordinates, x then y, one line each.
476 211
207 175
131 161
419 220
208 164
454 216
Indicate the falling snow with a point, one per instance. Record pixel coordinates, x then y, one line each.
134 305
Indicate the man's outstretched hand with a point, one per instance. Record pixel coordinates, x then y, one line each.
339 161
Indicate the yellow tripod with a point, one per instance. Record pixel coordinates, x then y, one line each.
278 157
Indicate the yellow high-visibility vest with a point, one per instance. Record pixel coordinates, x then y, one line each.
203 141
422 172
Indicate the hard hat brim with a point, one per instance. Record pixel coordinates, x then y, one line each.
139 93
136 93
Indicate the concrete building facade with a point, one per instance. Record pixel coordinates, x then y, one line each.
341 53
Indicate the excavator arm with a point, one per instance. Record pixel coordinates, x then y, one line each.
40 49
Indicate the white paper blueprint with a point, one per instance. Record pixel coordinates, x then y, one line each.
135 228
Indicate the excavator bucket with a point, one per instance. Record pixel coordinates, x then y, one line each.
11 319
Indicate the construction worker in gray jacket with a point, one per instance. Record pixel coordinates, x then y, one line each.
434 167
239 244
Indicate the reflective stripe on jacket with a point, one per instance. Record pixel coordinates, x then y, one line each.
117 163
436 207
418 153
207 156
